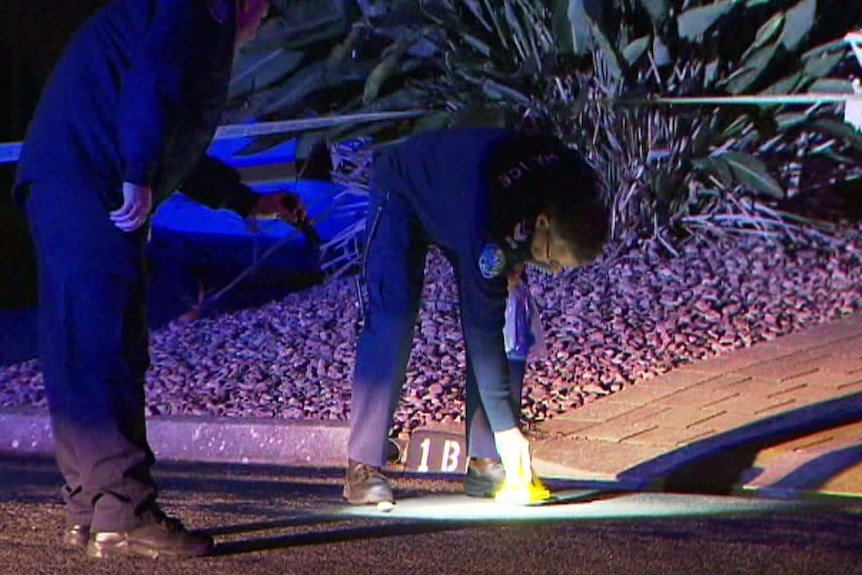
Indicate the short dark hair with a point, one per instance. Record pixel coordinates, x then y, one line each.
573 200
541 174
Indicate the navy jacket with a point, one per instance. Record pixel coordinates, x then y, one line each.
136 97
475 190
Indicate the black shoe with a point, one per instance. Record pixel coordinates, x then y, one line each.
76 536
157 536
366 485
484 477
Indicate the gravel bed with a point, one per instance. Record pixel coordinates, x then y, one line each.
618 322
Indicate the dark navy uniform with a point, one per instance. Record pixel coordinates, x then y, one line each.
464 190
135 98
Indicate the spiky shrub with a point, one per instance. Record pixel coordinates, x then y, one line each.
721 168
665 168
588 71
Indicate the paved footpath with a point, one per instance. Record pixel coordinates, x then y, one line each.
782 417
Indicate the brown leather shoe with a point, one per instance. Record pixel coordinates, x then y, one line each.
484 477
76 536
157 536
366 484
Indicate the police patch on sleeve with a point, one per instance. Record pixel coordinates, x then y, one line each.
492 261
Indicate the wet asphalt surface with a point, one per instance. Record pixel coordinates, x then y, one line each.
291 520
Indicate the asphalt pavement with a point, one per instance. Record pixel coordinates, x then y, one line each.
291 520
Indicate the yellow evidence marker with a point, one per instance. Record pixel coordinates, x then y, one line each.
521 491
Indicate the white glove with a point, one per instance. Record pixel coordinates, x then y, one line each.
514 451
137 204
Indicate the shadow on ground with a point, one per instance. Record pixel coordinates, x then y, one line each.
718 463
352 534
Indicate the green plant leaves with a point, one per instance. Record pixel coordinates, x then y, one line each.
751 69
786 85
702 137
432 121
766 33
579 16
662 184
822 64
477 12
658 10
832 86
563 28
790 120
757 58
696 21
503 62
611 57
743 169
635 49
717 166
259 70
798 23
840 130
387 68
751 173
756 3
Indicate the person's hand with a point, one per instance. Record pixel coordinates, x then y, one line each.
137 204
514 276
285 206
514 451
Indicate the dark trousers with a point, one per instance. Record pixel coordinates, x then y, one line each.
94 352
394 269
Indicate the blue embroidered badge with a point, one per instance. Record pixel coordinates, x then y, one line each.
492 261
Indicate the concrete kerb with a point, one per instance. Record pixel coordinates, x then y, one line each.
214 440
322 444
220 440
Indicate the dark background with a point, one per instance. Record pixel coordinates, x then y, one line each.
32 36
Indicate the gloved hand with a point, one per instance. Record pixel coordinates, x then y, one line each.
515 275
287 207
514 451
137 204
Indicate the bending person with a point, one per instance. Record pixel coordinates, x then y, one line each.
491 199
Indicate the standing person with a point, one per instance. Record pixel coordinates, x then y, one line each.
124 121
491 199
